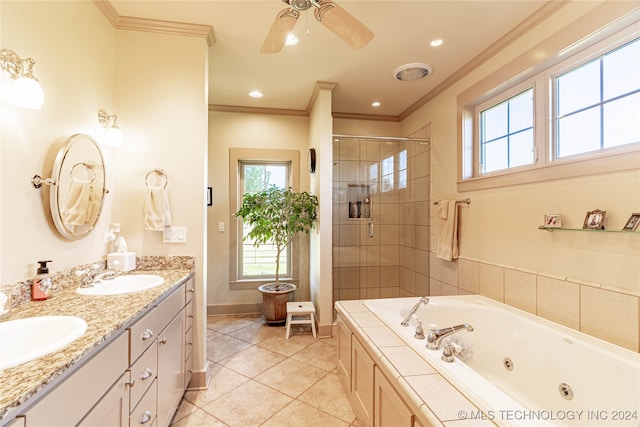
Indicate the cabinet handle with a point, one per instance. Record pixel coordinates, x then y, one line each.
191 316
145 418
147 334
146 374
191 291
163 341
130 383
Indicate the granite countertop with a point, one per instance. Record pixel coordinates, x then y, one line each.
106 317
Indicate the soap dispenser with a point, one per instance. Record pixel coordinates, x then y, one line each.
41 283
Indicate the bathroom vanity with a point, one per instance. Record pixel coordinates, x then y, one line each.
131 367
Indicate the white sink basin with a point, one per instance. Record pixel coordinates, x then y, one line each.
27 339
123 285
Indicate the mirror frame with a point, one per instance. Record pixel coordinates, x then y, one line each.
59 168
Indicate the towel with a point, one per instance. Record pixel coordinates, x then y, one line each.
75 208
447 230
156 209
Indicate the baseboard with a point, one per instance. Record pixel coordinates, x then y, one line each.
200 379
221 309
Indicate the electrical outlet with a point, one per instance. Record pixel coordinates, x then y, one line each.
175 235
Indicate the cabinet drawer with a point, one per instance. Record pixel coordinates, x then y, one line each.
187 371
169 307
143 372
188 312
142 334
188 343
145 413
189 289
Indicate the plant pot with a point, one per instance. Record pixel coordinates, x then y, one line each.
274 301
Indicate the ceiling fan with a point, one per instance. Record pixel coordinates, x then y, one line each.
328 13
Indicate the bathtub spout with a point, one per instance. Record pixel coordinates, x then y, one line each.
423 300
436 336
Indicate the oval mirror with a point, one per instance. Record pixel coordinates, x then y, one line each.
77 197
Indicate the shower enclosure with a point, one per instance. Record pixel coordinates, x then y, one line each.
381 230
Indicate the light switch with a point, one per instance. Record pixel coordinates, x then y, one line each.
175 235
221 227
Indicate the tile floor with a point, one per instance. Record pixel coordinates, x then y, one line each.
258 378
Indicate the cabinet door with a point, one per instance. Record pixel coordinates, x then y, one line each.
361 383
170 369
113 409
344 355
390 410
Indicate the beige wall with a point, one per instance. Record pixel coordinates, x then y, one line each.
156 84
74 49
499 228
243 130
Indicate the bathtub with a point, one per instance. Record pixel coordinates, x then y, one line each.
522 370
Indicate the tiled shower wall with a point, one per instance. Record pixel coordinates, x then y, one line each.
395 261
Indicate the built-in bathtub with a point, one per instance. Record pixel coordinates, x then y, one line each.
520 369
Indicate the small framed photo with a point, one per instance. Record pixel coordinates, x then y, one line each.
209 196
632 222
552 221
594 220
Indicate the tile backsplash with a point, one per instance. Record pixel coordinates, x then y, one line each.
609 314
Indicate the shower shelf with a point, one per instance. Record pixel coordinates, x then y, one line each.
359 202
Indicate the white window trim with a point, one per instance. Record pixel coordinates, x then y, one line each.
257 155
613 159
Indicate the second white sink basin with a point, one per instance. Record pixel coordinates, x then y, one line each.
123 285
32 337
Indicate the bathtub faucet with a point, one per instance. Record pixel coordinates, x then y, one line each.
423 300
436 336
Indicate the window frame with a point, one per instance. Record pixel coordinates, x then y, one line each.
547 166
256 155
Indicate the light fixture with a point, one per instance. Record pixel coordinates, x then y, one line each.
256 94
292 40
413 71
26 91
436 42
112 133
376 104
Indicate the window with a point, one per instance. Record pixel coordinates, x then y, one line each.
597 103
251 170
574 115
259 263
506 133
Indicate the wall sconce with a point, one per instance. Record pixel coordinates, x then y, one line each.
26 90
112 134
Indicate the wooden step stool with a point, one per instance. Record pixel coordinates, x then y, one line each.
299 309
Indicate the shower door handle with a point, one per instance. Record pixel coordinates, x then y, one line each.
370 231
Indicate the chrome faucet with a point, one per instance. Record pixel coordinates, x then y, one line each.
436 336
423 300
94 274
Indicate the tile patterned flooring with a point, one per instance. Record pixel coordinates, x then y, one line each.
258 378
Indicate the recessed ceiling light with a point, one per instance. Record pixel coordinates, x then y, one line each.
256 94
413 71
292 40
436 42
376 104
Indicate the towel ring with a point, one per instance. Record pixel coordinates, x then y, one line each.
89 166
162 176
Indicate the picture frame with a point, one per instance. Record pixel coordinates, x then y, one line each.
632 222
209 196
552 221
594 220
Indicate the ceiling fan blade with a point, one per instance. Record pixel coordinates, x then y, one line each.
280 29
343 24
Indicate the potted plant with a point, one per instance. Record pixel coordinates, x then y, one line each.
276 215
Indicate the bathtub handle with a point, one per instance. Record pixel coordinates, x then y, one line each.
370 231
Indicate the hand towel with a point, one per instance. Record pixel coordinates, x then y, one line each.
157 215
76 205
447 230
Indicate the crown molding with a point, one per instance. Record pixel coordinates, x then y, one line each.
256 110
154 25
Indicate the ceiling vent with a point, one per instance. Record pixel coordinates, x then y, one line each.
411 72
